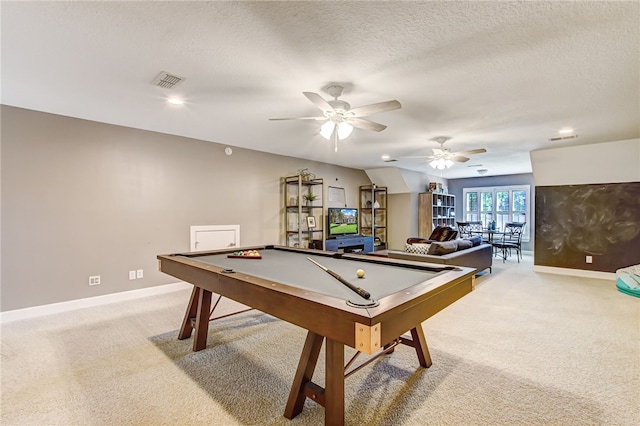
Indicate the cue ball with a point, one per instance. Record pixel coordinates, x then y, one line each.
360 273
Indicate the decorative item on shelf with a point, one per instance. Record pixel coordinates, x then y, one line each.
306 175
432 186
309 197
376 205
311 222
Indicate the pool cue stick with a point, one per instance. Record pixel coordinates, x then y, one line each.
361 292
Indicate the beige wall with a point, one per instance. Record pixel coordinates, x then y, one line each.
402 219
82 198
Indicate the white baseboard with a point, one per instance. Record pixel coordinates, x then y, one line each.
55 308
575 272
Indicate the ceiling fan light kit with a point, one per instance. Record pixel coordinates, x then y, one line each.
344 129
441 163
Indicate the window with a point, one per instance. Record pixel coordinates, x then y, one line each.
502 204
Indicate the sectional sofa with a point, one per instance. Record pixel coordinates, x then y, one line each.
470 252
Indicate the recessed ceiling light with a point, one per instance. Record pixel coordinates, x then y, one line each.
385 157
565 131
482 171
175 101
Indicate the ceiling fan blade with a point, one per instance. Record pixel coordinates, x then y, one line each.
361 123
299 118
470 152
319 101
459 159
374 108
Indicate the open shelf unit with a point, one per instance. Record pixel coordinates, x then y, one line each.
373 214
298 209
435 209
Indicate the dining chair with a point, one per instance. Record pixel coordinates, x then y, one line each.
475 228
511 239
463 229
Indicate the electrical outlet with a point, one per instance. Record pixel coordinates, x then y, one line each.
132 275
139 273
589 259
94 280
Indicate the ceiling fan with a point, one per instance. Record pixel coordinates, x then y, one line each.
443 157
339 119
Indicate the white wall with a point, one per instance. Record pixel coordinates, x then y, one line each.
597 163
609 162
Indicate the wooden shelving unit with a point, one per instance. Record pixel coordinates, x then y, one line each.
373 214
435 209
298 209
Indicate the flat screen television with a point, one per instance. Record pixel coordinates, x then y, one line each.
342 221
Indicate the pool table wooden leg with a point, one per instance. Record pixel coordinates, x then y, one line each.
334 387
197 317
332 396
420 345
192 308
304 374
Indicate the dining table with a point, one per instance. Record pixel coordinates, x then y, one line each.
489 233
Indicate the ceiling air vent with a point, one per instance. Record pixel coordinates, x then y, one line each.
167 80
563 138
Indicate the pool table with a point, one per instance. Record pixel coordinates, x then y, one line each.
285 283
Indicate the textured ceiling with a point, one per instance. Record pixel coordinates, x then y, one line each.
505 76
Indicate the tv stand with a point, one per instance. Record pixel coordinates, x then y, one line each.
350 244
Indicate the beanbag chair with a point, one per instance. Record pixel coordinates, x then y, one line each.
629 284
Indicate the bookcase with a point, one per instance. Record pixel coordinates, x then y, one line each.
304 212
435 209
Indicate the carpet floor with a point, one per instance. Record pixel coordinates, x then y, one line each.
524 348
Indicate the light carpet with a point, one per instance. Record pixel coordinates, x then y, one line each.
525 348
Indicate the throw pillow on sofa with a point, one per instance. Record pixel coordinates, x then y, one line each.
476 240
445 247
464 244
417 248
443 233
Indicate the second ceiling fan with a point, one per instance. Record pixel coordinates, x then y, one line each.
340 118
443 157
